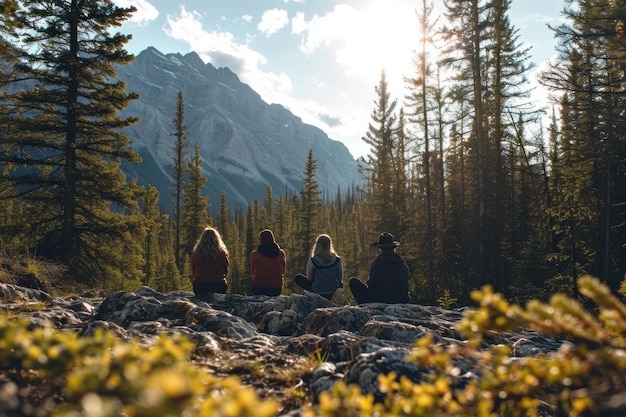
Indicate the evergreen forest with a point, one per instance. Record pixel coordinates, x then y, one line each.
479 184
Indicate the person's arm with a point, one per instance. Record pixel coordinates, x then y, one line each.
283 257
226 263
252 255
373 269
192 263
310 269
340 277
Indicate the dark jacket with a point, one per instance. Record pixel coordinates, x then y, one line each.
267 264
389 279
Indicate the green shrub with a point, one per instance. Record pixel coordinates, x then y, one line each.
105 376
586 377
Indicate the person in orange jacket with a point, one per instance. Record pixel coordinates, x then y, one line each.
267 264
209 263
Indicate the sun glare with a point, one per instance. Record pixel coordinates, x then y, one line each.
382 35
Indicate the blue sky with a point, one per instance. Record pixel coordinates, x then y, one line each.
321 59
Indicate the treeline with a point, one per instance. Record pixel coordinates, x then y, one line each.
462 171
466 175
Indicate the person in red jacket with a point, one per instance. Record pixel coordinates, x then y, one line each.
267 264
209 263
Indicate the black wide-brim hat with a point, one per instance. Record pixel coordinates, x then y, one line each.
385 240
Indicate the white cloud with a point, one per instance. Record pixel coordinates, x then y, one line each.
364 41
223 50
318 83
145 13
273 21
326 30
247 18
298 24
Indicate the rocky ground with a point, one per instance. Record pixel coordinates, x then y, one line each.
290 348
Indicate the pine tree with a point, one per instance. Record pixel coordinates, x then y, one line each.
588 82
179 168
268 205
223 218
508 85
420 99
9 51
64 137
10 207
470 28
195 207
285 226
308 213
380 164
251 242
153 223
490 73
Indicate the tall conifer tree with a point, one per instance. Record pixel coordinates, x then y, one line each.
65 135
588 81
9 53
489 68
195 206
308 214
380 163
179 167
420 101
153 221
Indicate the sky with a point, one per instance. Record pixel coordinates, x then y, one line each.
321 59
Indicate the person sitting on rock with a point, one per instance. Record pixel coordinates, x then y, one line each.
388 280
267 264
209 263
324 271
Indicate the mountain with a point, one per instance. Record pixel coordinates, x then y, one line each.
245 143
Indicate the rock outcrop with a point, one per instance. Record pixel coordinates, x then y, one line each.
232 332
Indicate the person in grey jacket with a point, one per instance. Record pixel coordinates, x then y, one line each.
324 270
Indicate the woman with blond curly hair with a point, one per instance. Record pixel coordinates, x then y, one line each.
209 263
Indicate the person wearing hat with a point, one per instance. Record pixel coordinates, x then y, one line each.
267 264
388 280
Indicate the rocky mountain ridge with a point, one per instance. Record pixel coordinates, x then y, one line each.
245 143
